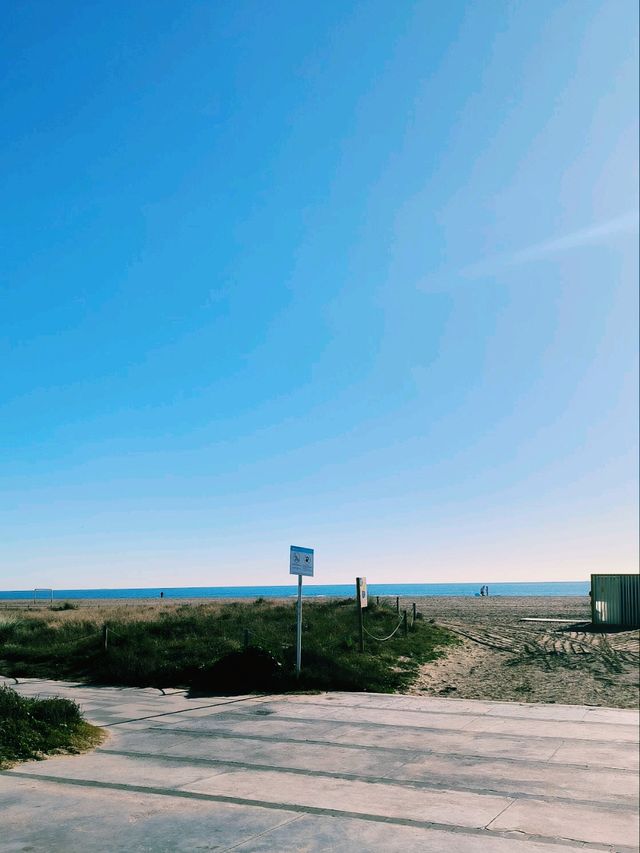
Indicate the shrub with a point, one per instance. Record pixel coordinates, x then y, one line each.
8 624
32 728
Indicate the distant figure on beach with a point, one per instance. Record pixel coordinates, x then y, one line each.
482 590
162 595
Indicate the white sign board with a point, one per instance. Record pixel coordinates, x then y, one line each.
301 561
363 592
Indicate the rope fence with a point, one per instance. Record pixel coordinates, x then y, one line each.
383 639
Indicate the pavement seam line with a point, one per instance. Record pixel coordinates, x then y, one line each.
315 810
489 714
485 715
425 729
366 747
555 752
495 817
411 784
264 832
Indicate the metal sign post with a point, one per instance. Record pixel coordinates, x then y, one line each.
299 630
301 564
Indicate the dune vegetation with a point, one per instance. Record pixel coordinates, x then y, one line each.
219 647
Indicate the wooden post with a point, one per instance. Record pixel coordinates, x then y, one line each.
397 604
405 623
105 637
377 599
414 614
360 617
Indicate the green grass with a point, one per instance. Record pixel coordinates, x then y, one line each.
182 645
33 728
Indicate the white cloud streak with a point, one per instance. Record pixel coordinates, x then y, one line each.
599 233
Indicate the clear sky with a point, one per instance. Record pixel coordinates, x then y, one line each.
360 276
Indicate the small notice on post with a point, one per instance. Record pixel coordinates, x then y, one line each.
301 561
362 592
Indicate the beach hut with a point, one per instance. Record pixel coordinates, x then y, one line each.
615 600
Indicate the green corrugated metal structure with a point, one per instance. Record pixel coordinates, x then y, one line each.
615 600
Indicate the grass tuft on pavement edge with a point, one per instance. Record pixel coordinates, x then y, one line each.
35 728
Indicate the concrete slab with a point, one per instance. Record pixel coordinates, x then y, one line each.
582 823
619 756
105 767
555 728
524 777
318 834
321 757
435 705
394 701
41 817
268 727
339 772
461 743
530 777
612 716
453 807
376 716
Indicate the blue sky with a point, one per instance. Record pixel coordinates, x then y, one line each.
354 275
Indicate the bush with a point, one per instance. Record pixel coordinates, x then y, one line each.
32 728
8 625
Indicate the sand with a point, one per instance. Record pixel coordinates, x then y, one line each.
503 657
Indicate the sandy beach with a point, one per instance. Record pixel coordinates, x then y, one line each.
501 655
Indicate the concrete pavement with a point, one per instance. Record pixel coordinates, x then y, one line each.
328 772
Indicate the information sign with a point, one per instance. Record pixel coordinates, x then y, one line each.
301 564
301 561
362 590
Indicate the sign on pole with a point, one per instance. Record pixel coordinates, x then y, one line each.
301 564
301 561
361 602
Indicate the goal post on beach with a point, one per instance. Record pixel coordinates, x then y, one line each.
44 589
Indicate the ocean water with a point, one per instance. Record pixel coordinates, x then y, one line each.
312 590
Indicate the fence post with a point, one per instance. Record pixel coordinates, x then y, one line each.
360 617
414 614
377 599
105 637
397 604
405 623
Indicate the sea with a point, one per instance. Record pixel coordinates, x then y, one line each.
309 590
